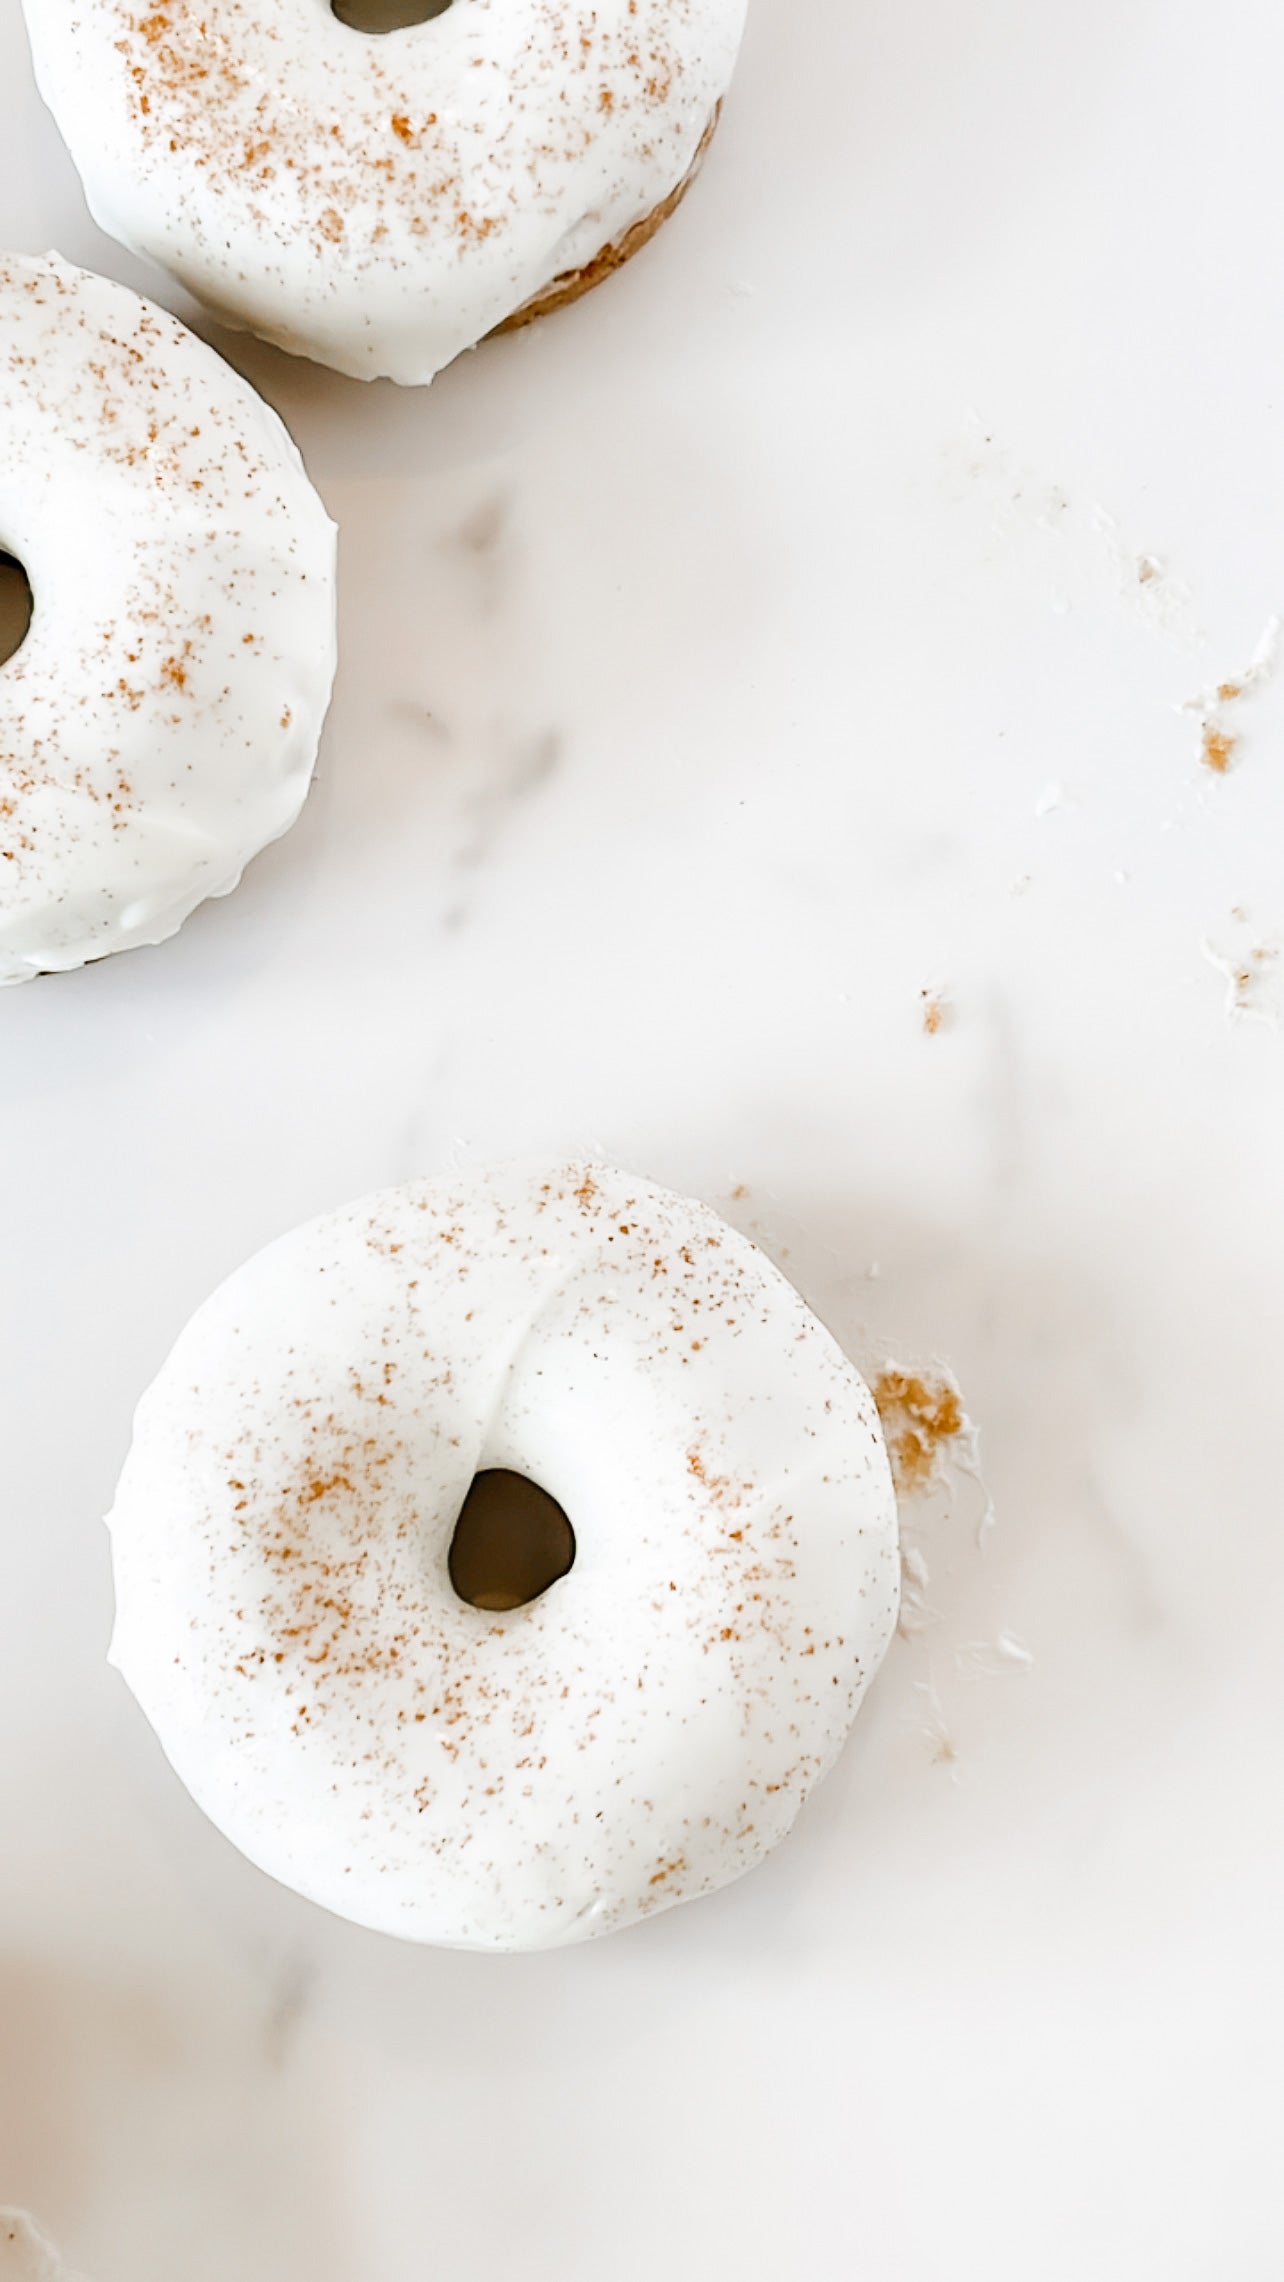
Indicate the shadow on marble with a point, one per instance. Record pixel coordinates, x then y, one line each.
164 2135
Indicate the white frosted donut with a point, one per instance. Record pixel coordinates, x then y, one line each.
159 724
641 1733
381 203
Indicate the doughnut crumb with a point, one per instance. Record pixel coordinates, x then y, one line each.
921 1417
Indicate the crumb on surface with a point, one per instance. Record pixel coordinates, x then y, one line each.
1219 745
921 1415
934 1729
1251 973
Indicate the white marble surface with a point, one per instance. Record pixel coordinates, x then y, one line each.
726 663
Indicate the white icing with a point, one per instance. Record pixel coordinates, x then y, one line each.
159 724
643 1732
379 203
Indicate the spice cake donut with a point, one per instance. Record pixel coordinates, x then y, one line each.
503 1558
381 201
159 721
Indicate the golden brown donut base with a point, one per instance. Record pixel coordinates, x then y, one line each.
567 288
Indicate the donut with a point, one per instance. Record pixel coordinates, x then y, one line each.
502 1559
380 201
159 721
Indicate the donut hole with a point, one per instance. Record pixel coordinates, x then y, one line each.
16 606
379 16
511 1542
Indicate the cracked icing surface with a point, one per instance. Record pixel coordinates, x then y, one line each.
160 722
645 1731
380 203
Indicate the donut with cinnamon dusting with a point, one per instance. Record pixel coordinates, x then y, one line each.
381 202
160 715
503 1559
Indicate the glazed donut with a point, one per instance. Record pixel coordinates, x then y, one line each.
159 723
382 1714
381 203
